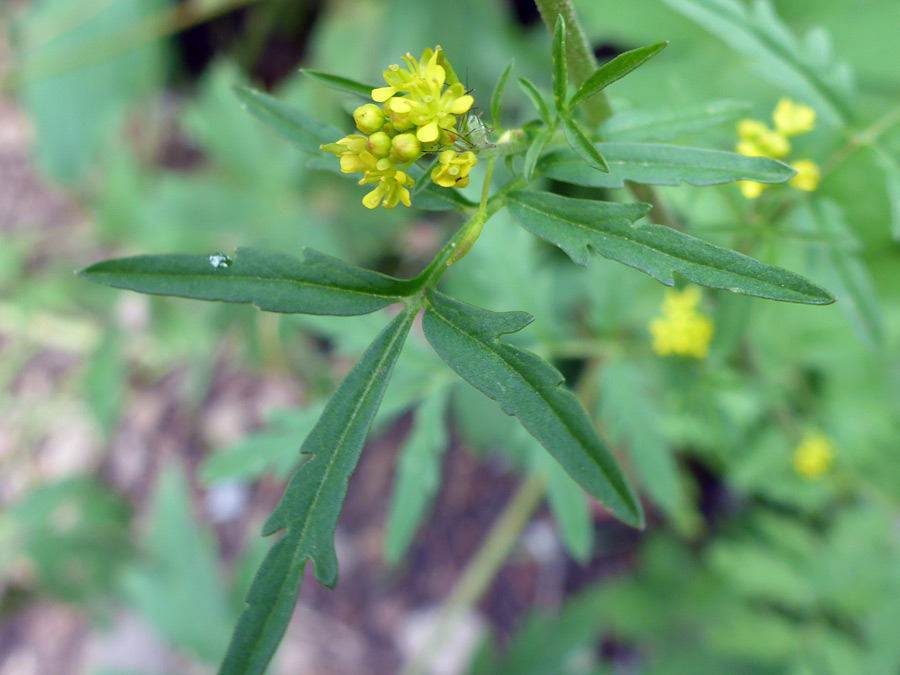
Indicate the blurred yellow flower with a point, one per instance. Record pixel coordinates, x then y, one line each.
792 119
452 170
814 456
682 330
808 175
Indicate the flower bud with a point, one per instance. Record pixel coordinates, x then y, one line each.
368 118
379 144
405 148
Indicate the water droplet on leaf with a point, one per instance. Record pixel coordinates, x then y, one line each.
219 260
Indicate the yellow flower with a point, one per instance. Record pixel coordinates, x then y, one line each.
792 119
682 330
814 456
808 175
452 170
392 185
418 72
751 189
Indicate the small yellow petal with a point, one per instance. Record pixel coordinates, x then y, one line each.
462 104
428 133
382 94
808 175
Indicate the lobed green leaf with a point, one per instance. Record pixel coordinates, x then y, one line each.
657 164
316 284
311 504
303 131
560 70
615 70
577 225
339 83
666 124
581 144
527 387
497 96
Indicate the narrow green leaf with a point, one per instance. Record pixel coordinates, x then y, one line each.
616 69
311 504
497 96
656 164
560 70
340 83
537 99
529 388
418 476
533 153
316 284
666 124
759 34
423 177
582 145
576 225
841 268
304 132
627 410
104 382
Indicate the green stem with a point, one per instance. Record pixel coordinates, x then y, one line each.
482 568
579 55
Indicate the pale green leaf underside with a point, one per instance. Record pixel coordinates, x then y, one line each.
528 388
315 284
577 225
666 124
311 504
303 131
657 164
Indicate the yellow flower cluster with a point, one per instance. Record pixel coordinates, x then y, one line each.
758 140
814 456
682 330
417 115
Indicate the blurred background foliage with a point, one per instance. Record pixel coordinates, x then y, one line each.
143 440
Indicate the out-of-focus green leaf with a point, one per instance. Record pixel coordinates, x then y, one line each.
180 589
74 107
581 144
418 476
273 449
628 412
666 124
842 270
436 198
615 70
529 388
339 83
537 99
568 503
575 225
560 68
891 168
311 504
758 33
497 96
317 284
656 164
104 383
303 131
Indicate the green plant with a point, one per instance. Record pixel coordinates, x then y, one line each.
563 144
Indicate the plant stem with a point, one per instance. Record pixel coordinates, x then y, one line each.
579 55
482 568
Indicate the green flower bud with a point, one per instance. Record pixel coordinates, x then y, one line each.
368 118
379 144
405 148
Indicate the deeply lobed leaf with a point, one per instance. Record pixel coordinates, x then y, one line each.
575 225
311 504
316 284
527 387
